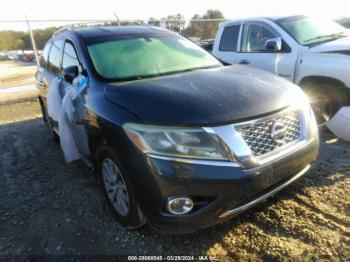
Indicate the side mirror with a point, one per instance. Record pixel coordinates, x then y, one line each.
274 44
69 73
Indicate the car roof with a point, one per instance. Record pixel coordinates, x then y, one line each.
105 31
262 18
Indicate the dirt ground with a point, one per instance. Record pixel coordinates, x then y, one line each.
50 207
16 74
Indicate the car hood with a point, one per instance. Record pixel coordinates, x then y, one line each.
204 97
341 44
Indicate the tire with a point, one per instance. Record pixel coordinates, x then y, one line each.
326 98
132 217
48 121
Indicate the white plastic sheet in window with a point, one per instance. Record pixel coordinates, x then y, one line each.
54 100
69 113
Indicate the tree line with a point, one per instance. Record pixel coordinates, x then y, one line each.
18 40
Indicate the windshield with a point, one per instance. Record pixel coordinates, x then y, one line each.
310 31
147 56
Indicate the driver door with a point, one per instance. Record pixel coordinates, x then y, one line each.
78 130
69 58
253 51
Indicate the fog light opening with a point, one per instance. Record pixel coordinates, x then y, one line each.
179 205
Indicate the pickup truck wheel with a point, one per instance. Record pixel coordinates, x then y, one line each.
47 120
118 189
325 100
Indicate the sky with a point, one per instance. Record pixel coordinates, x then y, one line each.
143 9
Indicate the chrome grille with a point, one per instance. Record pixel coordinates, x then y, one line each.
258 135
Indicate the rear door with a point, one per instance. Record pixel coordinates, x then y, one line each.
226 44
54 66
50 67
41 80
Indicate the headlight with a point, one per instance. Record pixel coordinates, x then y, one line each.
299 101
175 142
311 122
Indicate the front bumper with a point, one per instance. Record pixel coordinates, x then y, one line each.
263 196
229 190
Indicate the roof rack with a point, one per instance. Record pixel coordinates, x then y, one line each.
65 28
71 27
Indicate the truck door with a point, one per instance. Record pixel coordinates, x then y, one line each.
253 51
226 43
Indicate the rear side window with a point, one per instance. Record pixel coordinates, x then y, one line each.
45 55
55 57
70 57
229 38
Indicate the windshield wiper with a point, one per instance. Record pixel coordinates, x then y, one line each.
140 77
325 36
175 72
197 68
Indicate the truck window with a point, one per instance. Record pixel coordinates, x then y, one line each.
70 57
310 31
45 55
55 57
254 38
229 38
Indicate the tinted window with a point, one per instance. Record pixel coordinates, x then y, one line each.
55 57
254 38
229 38
70 57
44 56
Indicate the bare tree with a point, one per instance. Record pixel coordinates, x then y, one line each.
204 29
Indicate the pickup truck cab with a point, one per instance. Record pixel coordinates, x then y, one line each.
312 53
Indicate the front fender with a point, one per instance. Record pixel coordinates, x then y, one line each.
326 65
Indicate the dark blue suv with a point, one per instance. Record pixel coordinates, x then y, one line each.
179 140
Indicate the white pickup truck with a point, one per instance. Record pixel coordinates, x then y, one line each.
314 54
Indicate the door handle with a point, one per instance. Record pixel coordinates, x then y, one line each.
243 62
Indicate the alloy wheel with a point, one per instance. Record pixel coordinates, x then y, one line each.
115 186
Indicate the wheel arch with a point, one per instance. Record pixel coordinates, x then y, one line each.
321 79
337 85
97 139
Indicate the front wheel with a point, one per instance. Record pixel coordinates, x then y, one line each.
118 189
325 99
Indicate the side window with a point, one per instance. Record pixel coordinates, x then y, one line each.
45 55
70 57
254 38
55 57
229 38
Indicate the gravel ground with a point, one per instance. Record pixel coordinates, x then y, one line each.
50 207
16 73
